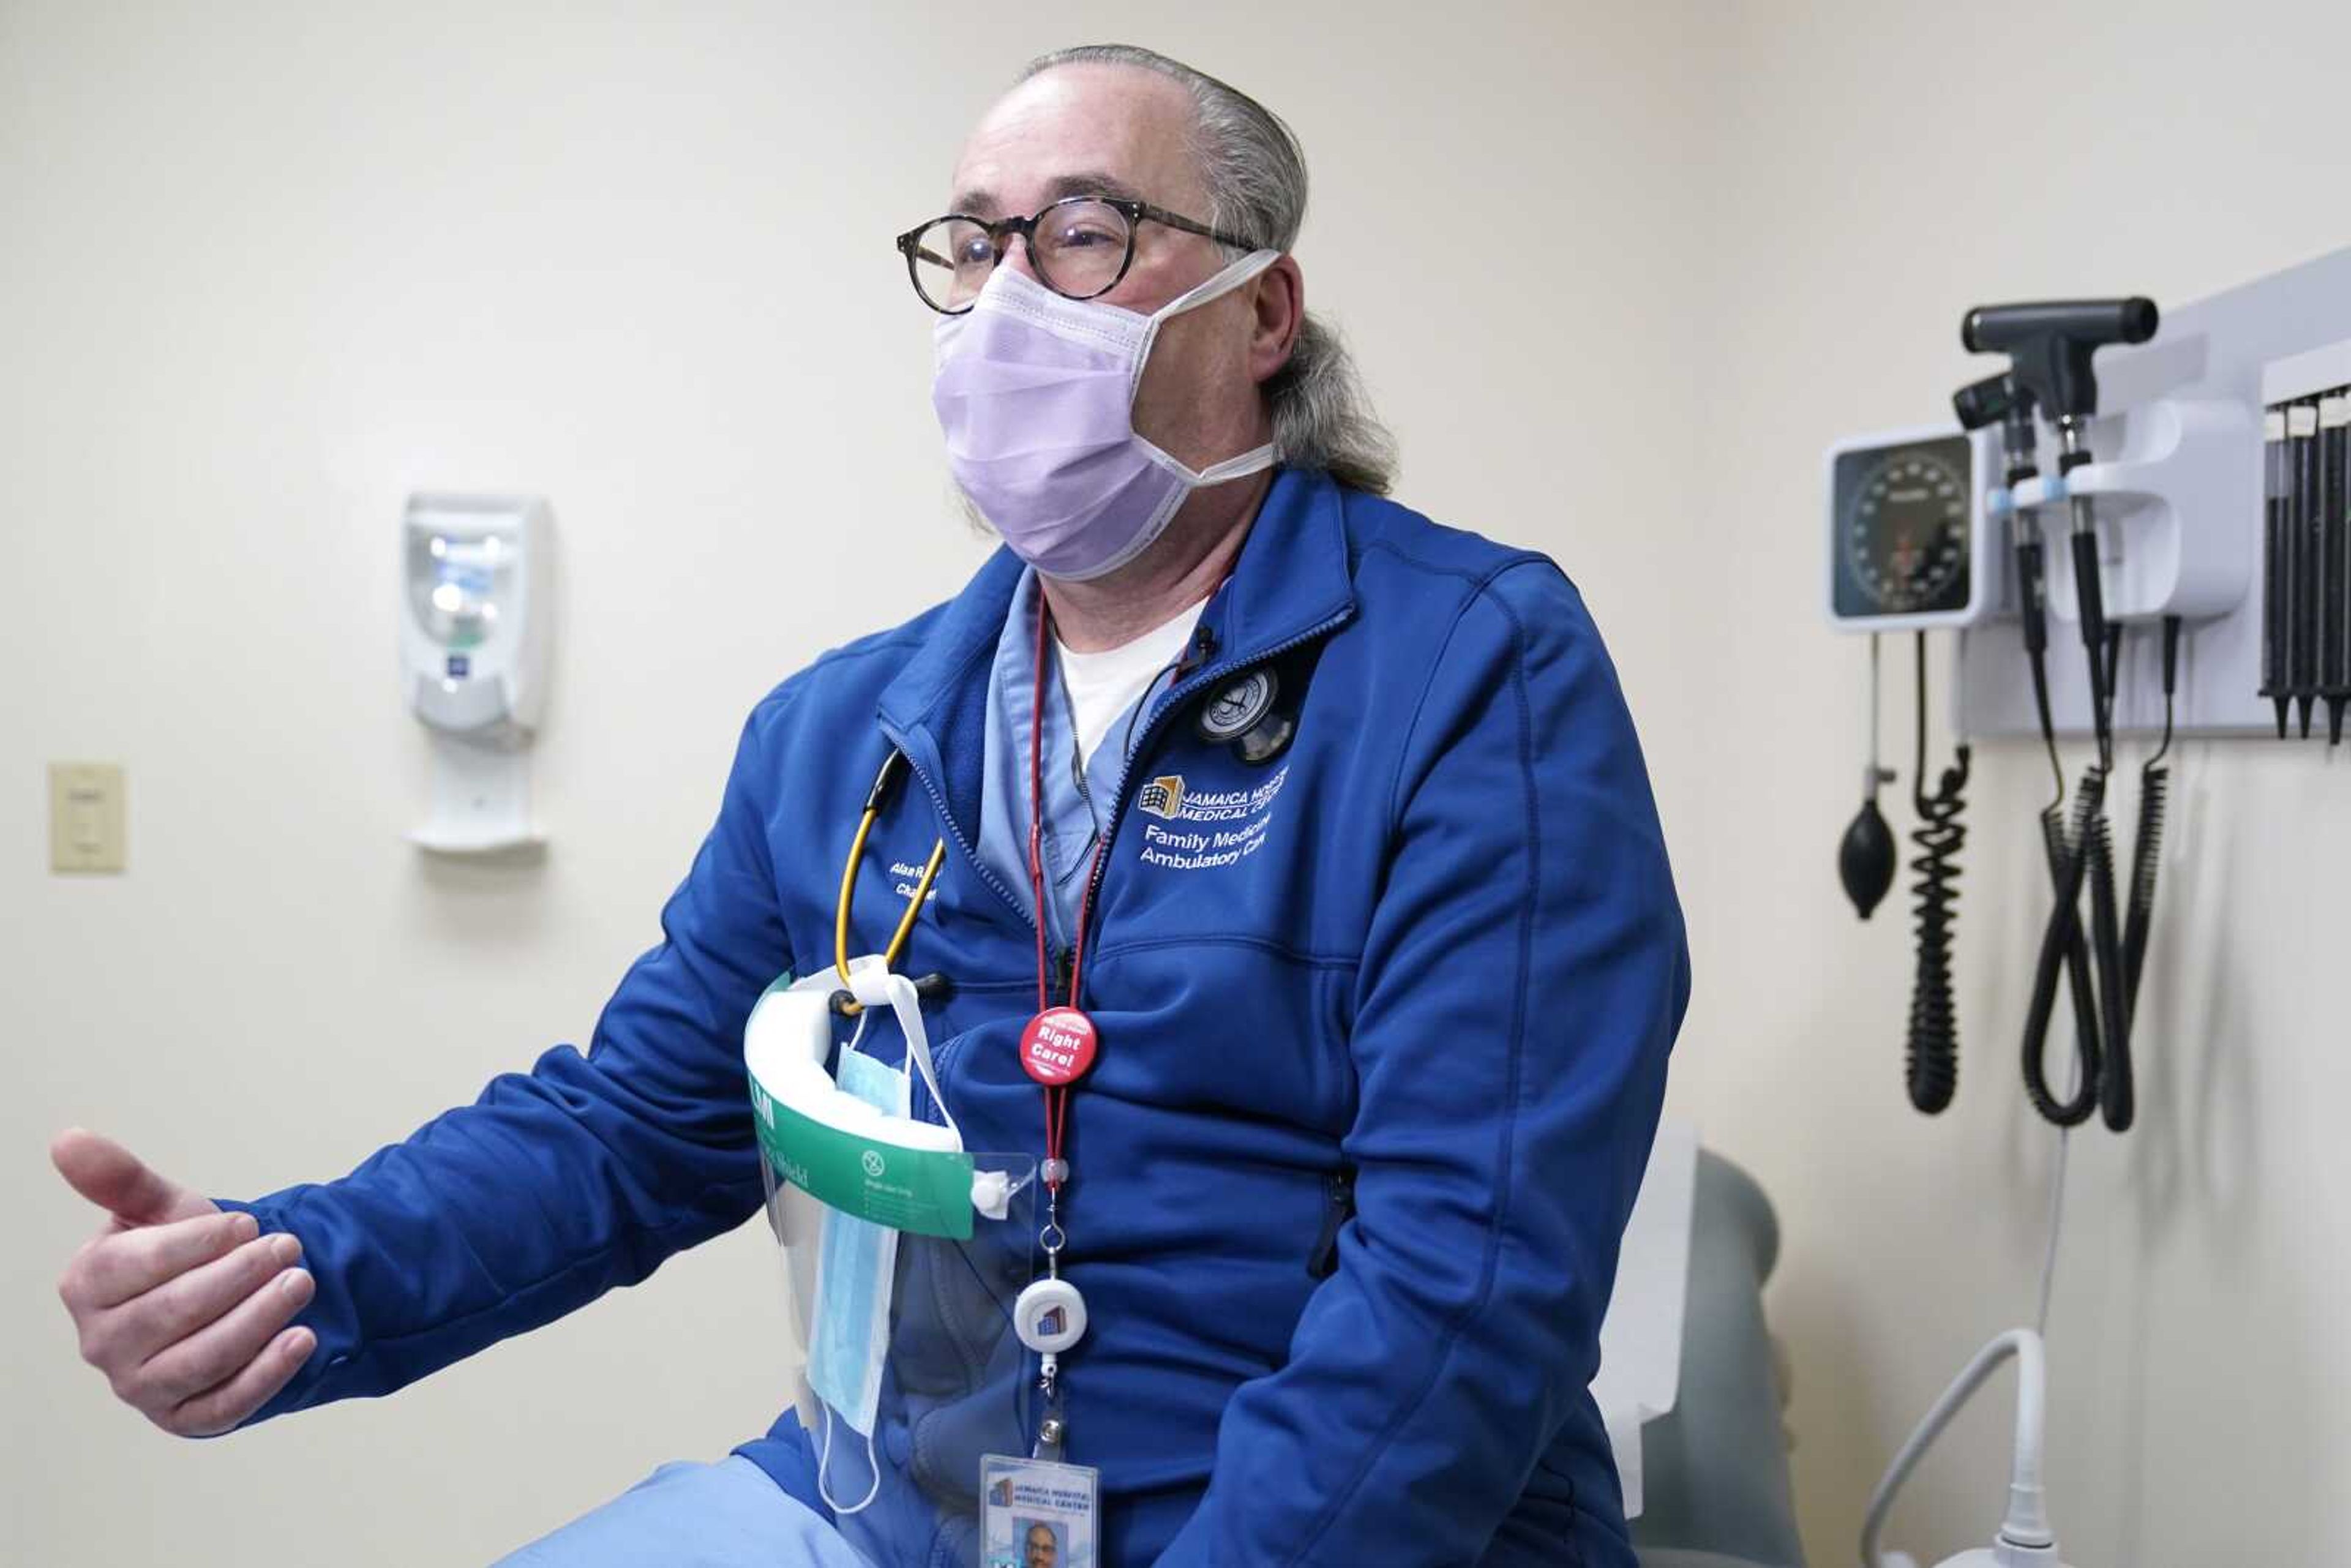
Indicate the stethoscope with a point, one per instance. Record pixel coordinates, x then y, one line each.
929 987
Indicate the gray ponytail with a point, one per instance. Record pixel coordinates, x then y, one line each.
1255 172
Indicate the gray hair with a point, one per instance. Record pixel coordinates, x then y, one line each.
1256 174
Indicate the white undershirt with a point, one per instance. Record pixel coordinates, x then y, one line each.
1102 687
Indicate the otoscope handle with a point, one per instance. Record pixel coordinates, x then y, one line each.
2031 591
2089 595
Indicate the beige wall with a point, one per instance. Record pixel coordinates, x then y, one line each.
1616 272
1883 168
264 269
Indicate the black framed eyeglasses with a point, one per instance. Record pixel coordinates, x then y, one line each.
1081 246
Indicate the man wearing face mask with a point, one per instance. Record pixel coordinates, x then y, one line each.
1300 905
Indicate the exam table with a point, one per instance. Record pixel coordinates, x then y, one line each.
1715 1481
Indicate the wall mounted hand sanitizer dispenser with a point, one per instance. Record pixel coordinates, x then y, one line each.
474 635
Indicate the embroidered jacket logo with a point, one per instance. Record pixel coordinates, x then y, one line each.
1162 797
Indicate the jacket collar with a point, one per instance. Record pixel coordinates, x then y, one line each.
1293 576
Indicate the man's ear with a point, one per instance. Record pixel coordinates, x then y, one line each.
1277 301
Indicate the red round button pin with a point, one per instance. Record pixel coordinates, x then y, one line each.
1058 1046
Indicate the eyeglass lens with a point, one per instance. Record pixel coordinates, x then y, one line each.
1079 248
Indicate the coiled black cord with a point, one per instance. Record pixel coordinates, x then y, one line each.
2154 788
1934 1050
2121 1089
2115 1099
2104 1042
2147 857
2063 933
2153 791
2119 935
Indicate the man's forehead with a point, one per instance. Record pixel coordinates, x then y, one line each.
1113 131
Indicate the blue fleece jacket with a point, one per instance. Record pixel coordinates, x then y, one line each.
1385 1023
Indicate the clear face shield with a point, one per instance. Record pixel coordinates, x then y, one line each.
903 1254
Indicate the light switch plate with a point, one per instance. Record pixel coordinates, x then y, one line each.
84 817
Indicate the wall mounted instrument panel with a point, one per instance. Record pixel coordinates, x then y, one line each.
2245 541
2139 520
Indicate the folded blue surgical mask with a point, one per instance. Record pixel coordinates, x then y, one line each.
856 1262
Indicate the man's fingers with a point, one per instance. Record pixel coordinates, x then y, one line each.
117 1181
220 1408
184 1309
217 1352
146 1325
115 1268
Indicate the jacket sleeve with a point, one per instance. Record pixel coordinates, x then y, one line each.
584 1174
1524 975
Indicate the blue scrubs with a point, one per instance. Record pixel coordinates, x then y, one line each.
726 1515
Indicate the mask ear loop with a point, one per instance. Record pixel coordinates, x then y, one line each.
1205 291
1223 282
858 1033
873 985
824 1457
1234 468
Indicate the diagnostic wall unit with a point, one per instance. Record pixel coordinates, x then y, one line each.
2181 485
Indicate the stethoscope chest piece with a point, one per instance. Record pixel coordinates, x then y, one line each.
1246 715
1236 710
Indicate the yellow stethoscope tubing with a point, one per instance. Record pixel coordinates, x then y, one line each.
848 885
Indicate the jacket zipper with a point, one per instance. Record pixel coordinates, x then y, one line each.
1061 957
947 820
1339 1207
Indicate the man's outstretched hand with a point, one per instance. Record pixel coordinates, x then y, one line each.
183 1307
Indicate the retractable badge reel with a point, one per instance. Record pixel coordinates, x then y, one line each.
1055 1049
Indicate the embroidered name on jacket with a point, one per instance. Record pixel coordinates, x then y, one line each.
1231 823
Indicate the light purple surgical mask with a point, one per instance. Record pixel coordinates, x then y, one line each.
1036 395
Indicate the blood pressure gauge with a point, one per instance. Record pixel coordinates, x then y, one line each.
1907 544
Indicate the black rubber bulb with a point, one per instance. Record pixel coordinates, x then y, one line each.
1865 859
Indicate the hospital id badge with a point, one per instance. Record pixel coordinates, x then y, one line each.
1034 1514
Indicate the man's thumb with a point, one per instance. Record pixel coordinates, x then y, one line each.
117 1181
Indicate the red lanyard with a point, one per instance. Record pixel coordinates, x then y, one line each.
1055 1049
1059 1042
